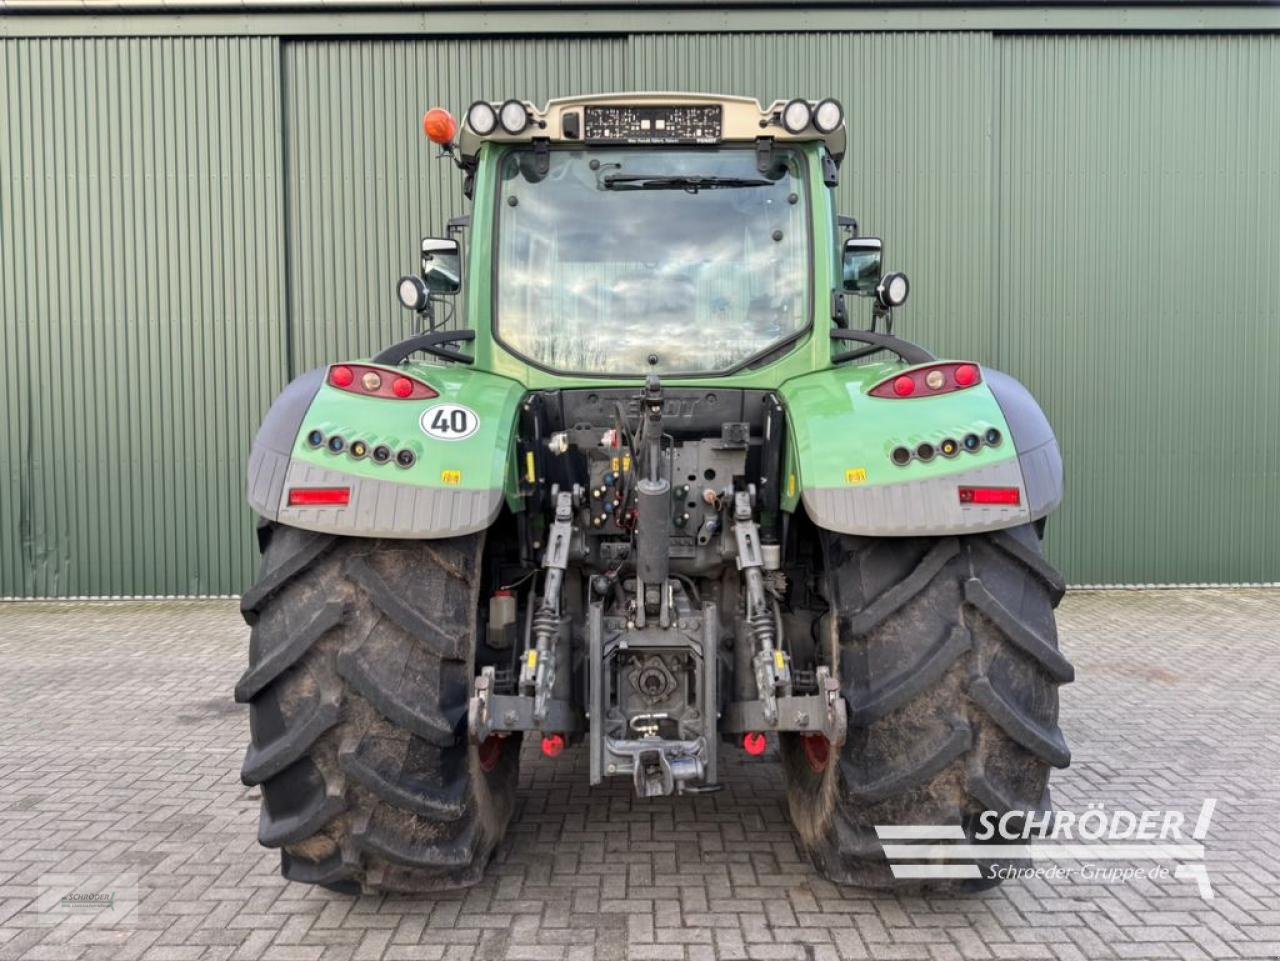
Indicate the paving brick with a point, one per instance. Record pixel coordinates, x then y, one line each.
120 749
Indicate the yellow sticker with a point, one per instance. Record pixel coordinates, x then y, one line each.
451 477
855 475
779 660
530 468
791 486
531 658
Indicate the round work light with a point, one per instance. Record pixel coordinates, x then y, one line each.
828 115
796 116
513 117
412 292
893 290
482 118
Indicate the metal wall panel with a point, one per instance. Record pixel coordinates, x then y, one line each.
141 252
1138 294
365 186
184 224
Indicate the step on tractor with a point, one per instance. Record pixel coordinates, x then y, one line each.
653 481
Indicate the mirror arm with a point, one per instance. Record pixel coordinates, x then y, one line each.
398 353
909 352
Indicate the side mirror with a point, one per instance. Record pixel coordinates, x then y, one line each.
441 265
862 264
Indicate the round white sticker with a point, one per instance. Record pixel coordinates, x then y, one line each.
449 422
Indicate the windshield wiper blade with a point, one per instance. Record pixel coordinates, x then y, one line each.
690 184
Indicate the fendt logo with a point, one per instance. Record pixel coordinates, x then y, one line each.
1048 838
678 407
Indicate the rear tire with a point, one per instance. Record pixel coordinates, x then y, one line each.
361 661
948 660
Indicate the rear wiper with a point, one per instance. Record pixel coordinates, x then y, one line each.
689 184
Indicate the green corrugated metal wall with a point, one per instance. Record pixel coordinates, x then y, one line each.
142 266
1138 294
185 223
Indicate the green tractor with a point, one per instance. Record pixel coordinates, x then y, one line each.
648 491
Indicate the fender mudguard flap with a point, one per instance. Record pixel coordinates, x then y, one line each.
1038 453
269 457
842 439
388 501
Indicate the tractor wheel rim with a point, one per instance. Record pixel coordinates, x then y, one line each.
490 752
817 751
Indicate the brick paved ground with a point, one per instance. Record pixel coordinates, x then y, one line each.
120 747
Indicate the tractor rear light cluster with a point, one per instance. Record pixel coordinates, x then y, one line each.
378 382
358 449
929 381
947 447
990 496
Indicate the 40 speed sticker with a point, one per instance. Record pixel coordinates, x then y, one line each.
449 422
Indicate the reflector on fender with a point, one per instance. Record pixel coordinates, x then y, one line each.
319 496
1001 496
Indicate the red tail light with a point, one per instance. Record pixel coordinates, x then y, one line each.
754 743
929 381
319 496
553 745
378 382
1000 496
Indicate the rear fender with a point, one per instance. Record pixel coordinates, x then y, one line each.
842 441
454 486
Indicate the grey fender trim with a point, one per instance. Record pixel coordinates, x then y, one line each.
1038 453
378 508
917 508
274 441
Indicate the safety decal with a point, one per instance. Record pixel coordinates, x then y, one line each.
855 475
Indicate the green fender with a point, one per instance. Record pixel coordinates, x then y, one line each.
840 463
453 486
